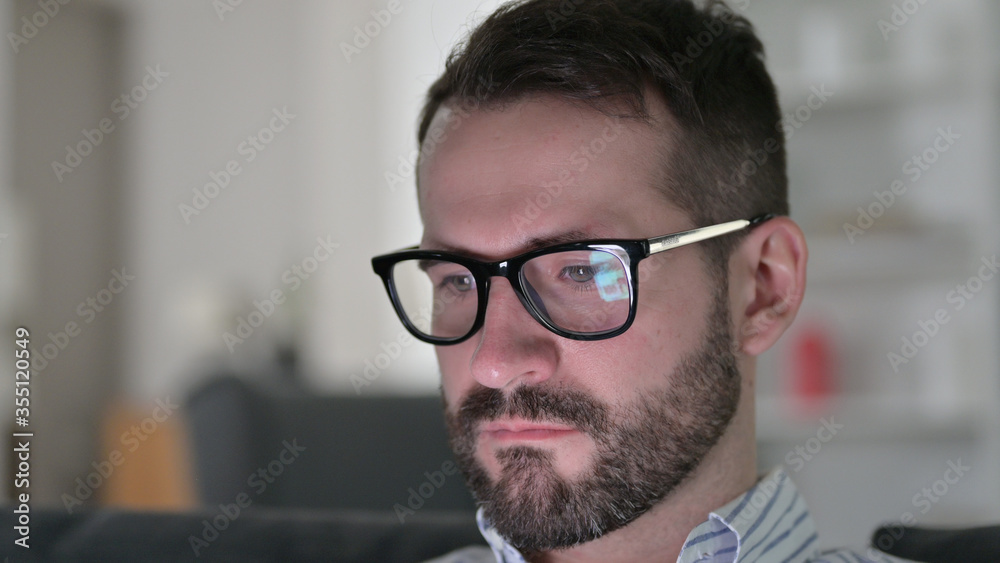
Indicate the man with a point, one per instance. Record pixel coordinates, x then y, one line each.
598 377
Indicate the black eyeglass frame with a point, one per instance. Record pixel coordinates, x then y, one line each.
483 272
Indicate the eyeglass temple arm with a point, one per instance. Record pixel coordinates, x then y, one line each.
659 244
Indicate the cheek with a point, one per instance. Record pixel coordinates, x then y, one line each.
609 371
670 321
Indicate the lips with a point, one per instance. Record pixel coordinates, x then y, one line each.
525 430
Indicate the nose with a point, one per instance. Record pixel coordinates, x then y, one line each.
513 348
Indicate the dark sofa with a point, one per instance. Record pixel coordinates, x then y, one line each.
253 536
314 478
366 453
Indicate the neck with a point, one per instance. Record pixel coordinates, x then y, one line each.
726 472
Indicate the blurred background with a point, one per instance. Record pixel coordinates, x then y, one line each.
190 192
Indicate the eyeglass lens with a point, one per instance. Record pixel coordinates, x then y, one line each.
579 291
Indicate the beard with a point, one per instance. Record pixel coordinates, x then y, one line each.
643 449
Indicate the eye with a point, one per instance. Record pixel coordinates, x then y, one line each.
461 283
580 274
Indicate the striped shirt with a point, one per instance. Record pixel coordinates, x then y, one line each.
769 522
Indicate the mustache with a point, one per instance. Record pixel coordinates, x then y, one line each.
533 403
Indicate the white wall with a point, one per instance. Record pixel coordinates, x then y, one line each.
225 78
322 177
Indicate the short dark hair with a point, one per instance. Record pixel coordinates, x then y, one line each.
706 63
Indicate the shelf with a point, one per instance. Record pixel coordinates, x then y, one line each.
862 86
930 254
869 418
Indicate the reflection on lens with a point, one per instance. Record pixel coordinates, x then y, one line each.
580 291
438 297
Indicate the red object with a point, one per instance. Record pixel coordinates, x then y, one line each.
812 374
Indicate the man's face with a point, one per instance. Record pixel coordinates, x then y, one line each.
563 440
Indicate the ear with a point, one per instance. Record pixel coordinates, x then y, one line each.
768 281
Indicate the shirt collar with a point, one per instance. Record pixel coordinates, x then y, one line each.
769 520
503 551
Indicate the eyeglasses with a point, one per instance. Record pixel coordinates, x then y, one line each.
581 290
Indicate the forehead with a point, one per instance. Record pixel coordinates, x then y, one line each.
493 181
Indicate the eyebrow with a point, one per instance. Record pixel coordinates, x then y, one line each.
533 243
552 240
